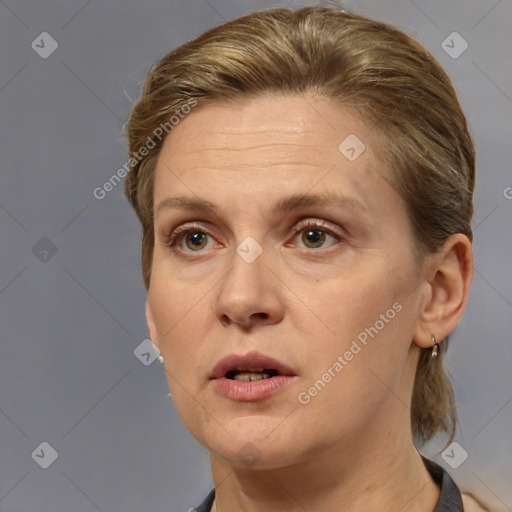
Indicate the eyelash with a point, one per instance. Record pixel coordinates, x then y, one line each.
177 235
318 225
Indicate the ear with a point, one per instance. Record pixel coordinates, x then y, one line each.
151 326
450 276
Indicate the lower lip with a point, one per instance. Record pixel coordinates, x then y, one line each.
250 391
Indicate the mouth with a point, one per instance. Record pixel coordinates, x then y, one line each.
250 377
250 367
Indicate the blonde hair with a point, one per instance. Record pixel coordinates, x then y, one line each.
391 81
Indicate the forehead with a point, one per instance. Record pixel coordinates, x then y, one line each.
293 124
268 144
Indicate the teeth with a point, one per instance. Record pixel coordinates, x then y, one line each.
250 376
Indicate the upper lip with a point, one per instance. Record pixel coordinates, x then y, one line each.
251 361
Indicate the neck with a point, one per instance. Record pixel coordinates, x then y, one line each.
383 472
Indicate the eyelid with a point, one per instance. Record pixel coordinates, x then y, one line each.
175 236
321 225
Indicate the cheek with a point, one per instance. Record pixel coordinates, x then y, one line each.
179 311
347 382
344 306
367 320
181 333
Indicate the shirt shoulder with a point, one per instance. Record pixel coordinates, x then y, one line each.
450 499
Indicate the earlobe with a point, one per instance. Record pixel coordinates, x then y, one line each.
451 276
151 326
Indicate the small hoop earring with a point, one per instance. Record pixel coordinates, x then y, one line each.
435 347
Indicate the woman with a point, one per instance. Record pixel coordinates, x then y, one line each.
304 180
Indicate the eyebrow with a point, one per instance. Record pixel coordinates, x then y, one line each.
298 201
282 206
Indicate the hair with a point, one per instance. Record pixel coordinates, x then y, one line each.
390 80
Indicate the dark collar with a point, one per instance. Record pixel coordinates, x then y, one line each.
450 499
207 503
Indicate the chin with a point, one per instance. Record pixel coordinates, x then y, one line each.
255 442
262 430
247 455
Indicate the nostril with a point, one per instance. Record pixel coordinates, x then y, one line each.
245 322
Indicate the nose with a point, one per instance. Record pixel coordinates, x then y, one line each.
249 296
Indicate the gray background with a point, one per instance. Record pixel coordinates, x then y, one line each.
71 321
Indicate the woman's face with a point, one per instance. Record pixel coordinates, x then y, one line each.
297 249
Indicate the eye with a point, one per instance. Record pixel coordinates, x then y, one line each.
315 237
190 238
197 239
313 234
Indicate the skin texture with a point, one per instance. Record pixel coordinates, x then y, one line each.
298 303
